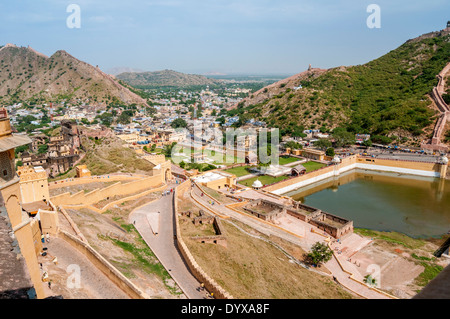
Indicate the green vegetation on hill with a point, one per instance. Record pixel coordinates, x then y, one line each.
382 97
166 79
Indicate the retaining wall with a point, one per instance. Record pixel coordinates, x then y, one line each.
104 266
197 271
97 195
352 162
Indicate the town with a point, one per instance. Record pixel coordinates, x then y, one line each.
322 183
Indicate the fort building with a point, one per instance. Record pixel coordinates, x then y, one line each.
62 153
216 180
83 171
33 184
22 225
334 226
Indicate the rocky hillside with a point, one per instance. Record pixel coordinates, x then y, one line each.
27 75
388 96
165 79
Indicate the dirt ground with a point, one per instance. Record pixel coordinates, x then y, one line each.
399 269
245 272
102 229
82 187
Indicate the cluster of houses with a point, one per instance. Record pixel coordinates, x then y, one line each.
60 154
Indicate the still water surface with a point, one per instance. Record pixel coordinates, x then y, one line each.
416 206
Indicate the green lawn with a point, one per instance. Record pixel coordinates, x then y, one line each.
287 160
238 171
312 166
264 179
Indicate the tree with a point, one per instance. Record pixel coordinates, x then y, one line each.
105 118
179 122
322 143
367 143
125 117
298 132
167 150
294 145
330 152
342 137
370 281
320 253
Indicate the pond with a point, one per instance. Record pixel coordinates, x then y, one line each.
416 206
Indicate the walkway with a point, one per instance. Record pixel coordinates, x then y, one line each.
93 283
164 245
444 109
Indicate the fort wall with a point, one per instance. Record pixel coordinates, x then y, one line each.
117 189
196 270
104 266
352 162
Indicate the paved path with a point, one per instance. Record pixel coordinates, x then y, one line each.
164 245
93 283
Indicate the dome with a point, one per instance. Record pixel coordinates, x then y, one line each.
257 184
336 160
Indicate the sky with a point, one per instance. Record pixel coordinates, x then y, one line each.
226 36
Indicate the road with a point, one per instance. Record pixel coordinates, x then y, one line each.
164 245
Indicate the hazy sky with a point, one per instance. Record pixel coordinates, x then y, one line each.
197 36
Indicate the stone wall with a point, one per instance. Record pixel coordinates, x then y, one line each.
104 266
265 210
220 237
418 168
117 189
197 271
93 179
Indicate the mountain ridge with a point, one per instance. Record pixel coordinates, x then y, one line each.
26 74
165 78
388 96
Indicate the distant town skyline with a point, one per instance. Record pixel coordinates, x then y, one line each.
222 36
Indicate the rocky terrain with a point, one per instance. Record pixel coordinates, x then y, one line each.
26 74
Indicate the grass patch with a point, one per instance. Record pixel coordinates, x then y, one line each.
312 166
430 272
145 258
283 160
392 237
239 171
264 179
420 257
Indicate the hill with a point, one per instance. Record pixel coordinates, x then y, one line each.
27 75
388 96
166 79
